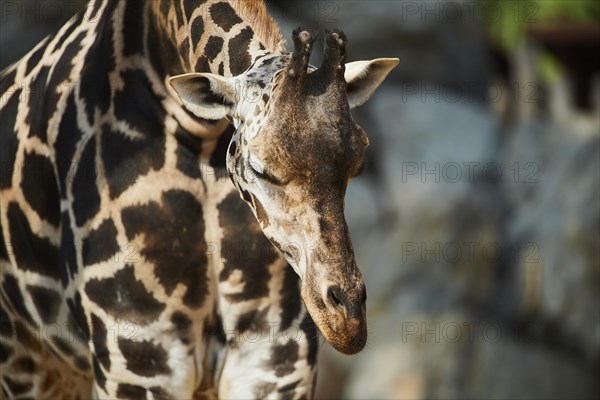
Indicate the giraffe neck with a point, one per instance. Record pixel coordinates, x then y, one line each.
162 38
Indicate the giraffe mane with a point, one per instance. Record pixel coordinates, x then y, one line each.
262 23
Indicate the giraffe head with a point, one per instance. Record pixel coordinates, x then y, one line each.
294 152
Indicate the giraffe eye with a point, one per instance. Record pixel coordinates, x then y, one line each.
258 171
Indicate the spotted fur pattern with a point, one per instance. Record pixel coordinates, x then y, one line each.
129 265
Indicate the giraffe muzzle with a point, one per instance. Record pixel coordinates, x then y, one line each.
340 315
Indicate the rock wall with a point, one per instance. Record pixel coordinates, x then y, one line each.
486 285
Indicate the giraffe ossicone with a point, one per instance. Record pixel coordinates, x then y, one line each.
172 205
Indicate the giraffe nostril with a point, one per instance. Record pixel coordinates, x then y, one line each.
334 299
338 301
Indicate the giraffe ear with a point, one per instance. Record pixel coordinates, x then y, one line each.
364 77
208 96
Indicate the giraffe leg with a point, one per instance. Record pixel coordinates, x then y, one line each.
135 362
29 369
270 364
132 360
271 346
270 341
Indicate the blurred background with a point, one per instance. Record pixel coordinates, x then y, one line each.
476 223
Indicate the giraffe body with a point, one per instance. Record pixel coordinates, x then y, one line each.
130 263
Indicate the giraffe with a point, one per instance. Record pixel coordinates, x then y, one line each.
171 205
